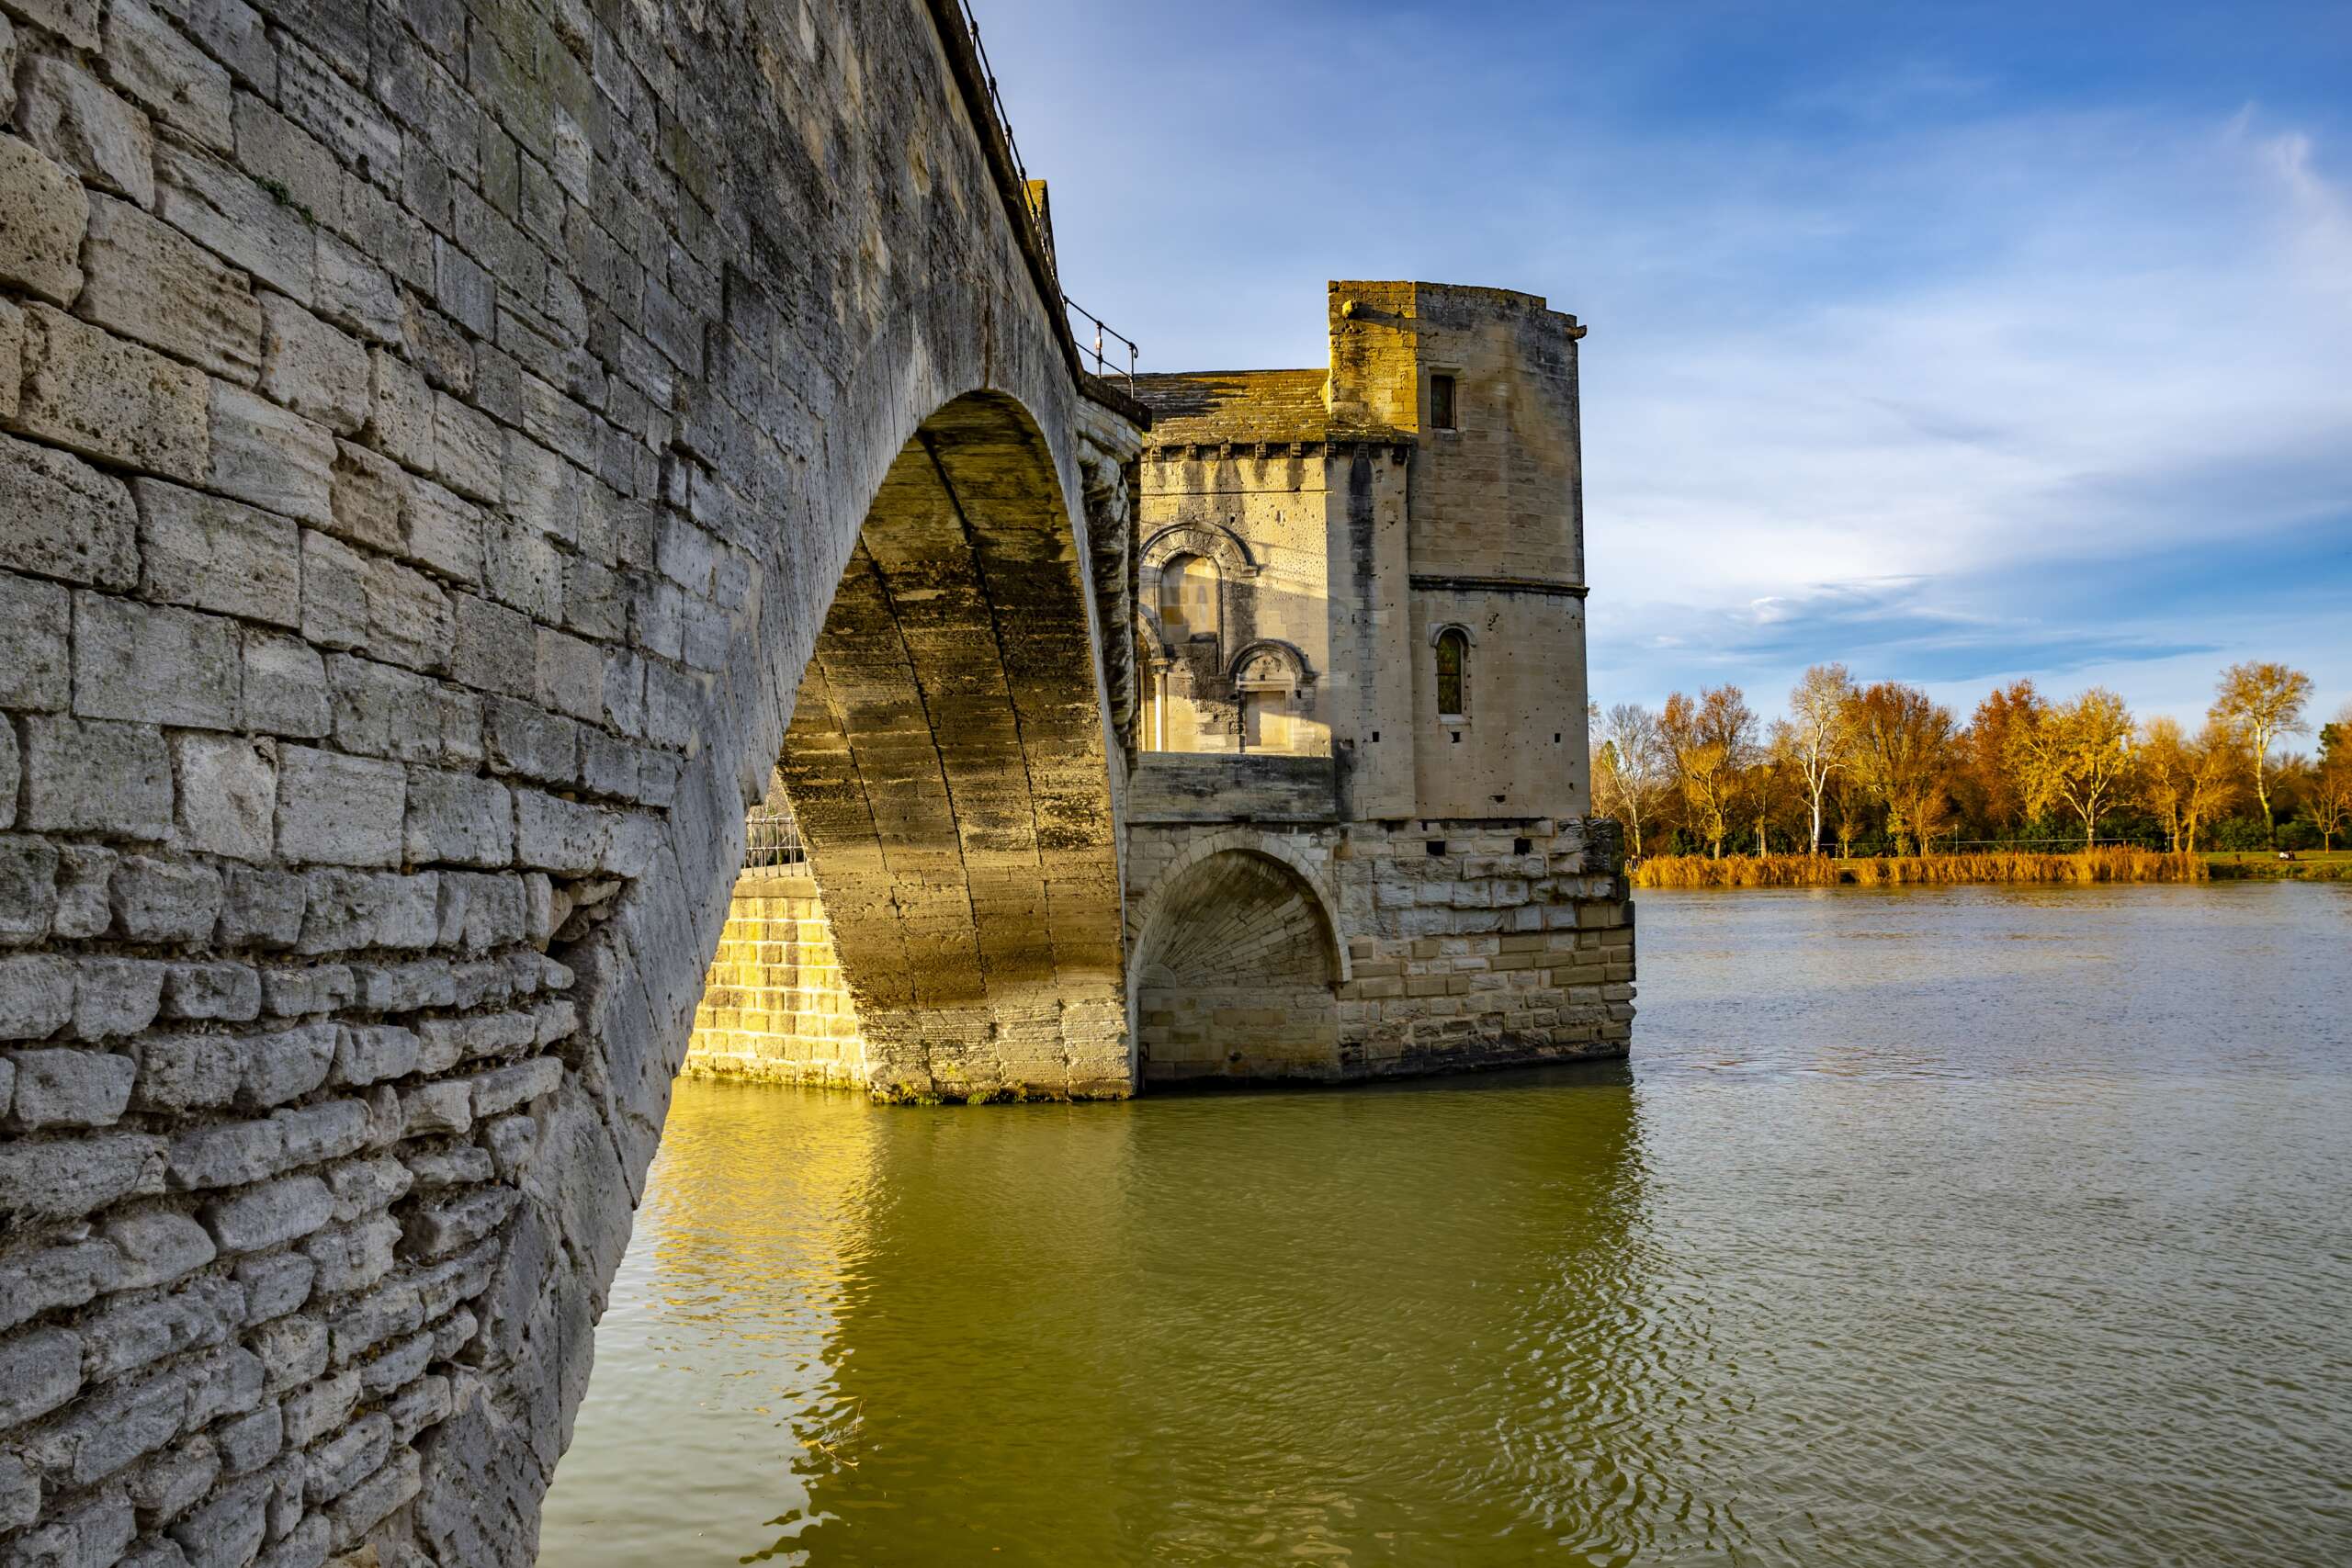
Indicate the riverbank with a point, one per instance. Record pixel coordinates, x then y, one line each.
2309 865
1924 871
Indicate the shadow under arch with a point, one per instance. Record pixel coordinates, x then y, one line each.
947 765
1236 964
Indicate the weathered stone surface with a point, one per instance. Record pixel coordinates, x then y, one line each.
271 456
94 776
157 1246
43 212
209 553
110 398
67 519
409 620
66 1178
114 997
36 667
261 908
227 790
287 1064
235 219
273 1212
27 885
35 995
459 818
169 78
158 900
151 664
315 370
187 1072
445 532
149 282
84 873
71 1088
369 495
226 991
68 114
285 687
338 810
366 1053
33 1283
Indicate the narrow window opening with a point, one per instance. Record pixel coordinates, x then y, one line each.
1456 737
1375 736
1441 402
1453 655
1522 846
1437 846
1556 737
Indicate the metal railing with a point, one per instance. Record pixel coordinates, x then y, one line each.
1101 363
1038 228
772 839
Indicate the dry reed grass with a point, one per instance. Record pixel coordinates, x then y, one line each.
1820 871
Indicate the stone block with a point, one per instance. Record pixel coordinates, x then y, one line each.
74 20
131 1335
445 532
249 1441
315 370
32 1282
187 1072
370 1053
235 219
39 1372
293 993
223 989
316 1132
167 1487
557 835
156 1247
19 1486
495 650
66 519
229 1530
409 619
227 1154
93 777
285 687
112 399
28 879
368 496
159 900
261 908
349 1456
149 282
43 212
226 786
232 33
294 1351
530 742
151 664
338 810
84 873
467 449
383 712
71 1088
334 593
114 998
405 986
208 553
287 162
355 293
54 1179
459 818
35 995
504 1088
521 566
166 75
271 456
353 909
571 674
287 1064
94 1532
68 114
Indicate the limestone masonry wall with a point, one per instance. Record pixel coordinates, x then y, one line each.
776 1009
431 434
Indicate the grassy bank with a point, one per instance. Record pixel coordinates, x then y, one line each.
2310 866
1898 871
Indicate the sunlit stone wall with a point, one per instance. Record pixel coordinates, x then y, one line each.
776 1008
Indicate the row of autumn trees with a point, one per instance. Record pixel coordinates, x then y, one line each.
1884 766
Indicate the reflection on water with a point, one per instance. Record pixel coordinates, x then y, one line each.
1932 1225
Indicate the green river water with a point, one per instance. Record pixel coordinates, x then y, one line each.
1970 1225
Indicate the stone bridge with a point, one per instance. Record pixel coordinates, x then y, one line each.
452 452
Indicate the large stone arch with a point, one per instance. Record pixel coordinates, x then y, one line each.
946 762
421 515
1234 965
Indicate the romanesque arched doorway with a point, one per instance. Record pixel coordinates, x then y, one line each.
1235 972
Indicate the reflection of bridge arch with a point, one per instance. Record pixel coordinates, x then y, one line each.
947 763
1236 962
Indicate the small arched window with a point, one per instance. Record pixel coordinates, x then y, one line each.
1188 597
1453 665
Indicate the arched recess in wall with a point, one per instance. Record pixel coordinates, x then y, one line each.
945 763
1236 964
1268 678
1178 561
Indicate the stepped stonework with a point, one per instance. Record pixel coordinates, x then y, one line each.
459 459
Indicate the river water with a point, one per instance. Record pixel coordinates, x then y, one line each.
1978 1226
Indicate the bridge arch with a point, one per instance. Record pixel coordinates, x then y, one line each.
1235 965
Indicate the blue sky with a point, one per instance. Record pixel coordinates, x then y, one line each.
1957 341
